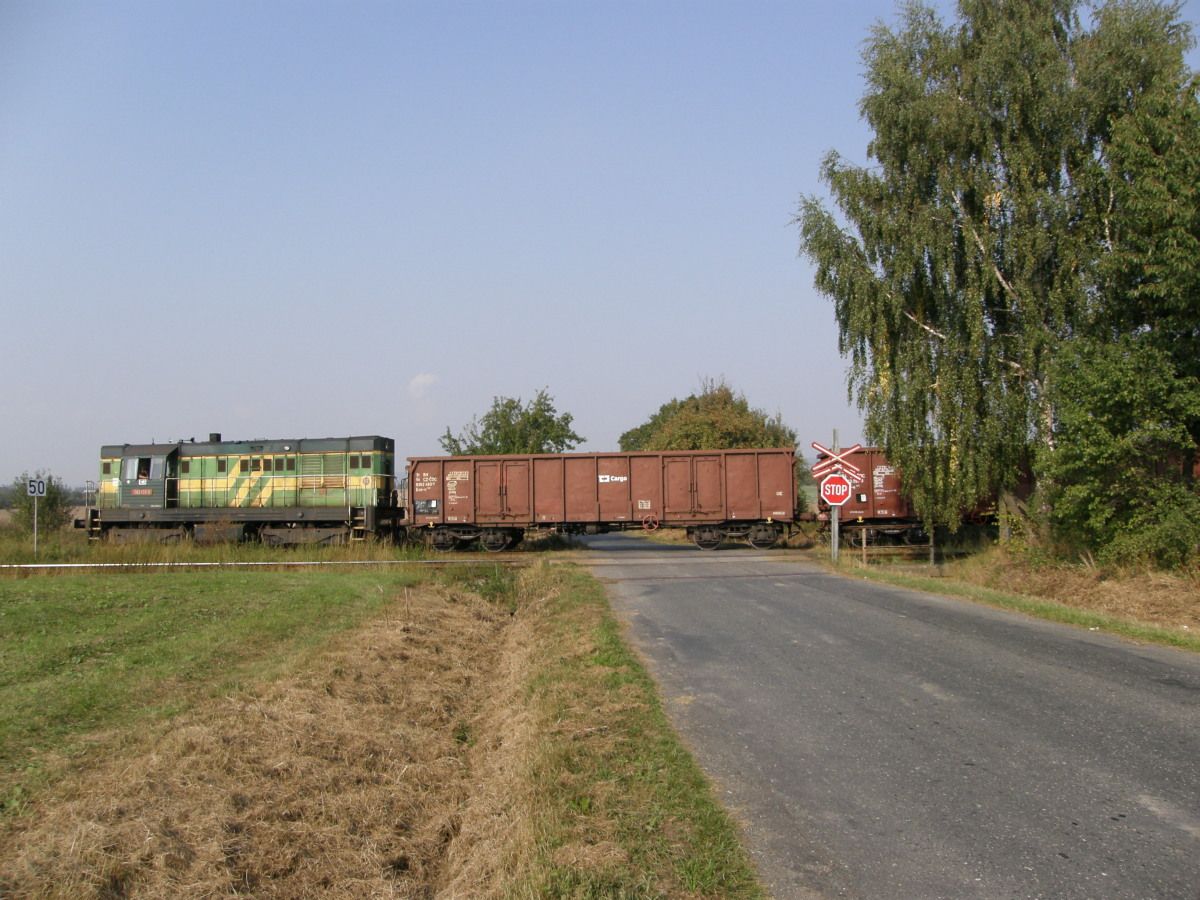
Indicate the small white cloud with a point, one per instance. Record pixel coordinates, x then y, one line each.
419 385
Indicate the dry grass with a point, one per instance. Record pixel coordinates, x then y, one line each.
477 739
344 781
1157 598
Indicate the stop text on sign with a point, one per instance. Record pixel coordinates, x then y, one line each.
835 490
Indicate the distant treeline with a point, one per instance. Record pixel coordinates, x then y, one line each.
8 493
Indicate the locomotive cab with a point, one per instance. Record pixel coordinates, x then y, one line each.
149 477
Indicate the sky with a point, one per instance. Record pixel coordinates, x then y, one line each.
297 219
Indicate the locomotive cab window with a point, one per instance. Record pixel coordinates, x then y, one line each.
106 468
291 464
186 466
244 465
221 466
354 461
143 468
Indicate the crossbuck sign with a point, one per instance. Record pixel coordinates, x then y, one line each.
836 461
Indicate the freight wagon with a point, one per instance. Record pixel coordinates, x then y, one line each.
878 508
327 490
714 494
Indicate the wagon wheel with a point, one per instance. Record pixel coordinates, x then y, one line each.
707 538
763 538
650 523
494 540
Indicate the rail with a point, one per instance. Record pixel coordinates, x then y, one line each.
266 564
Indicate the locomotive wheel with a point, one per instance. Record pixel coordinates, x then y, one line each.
494 540
763 537
443 539
707 538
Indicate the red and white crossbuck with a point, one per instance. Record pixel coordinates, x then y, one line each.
835 461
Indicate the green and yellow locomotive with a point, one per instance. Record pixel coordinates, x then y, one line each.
327 490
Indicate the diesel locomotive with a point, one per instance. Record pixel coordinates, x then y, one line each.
322 491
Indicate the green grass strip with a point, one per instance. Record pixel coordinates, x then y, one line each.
1038 607
613 770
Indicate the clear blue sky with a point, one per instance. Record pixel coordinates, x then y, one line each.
297 219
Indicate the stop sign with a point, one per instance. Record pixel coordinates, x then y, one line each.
835 490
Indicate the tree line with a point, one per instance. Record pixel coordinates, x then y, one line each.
1015 270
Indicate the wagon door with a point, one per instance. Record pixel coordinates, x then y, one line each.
677 475
694 488
516 491
489 501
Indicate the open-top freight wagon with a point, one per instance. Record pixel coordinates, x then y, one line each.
327 490
878 508
714 494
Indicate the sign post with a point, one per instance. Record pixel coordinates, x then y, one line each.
36 488
835 490
840 477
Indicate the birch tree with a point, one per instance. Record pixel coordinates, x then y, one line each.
971 246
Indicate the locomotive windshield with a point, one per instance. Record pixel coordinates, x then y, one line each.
143 468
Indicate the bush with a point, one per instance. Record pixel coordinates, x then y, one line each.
1166 533
53 510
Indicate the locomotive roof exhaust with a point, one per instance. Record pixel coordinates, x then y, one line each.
214 437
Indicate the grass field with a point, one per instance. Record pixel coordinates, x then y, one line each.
480 732
81 656
1145 605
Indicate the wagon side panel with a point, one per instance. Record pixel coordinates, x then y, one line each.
646 487
581 483
741 479
549 491
709 490
612 486
777 485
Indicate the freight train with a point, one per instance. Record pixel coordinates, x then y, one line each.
336 490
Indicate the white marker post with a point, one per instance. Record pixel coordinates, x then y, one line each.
35 489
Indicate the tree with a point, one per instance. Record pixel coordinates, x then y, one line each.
510 427
715 418
1152 258
1119 479
53 510
973 248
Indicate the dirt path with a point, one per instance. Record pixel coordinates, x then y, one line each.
351 778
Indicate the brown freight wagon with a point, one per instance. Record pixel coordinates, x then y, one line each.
877 506
714 494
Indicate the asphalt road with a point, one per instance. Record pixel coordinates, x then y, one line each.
878 742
